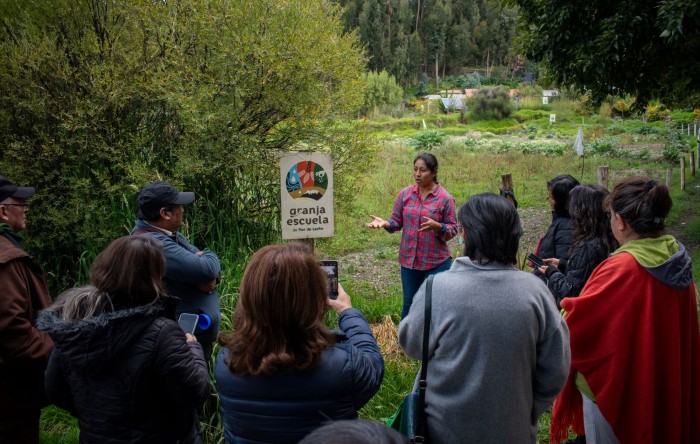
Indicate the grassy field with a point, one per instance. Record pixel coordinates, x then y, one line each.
472 159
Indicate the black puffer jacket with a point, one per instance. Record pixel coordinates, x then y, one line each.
128 376
558 239
572 275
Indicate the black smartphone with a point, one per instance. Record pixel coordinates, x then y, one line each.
188 322
536 260
331 269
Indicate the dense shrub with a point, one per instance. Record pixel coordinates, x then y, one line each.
490 104
427 140
472 80
673 145
380 89
99 98
606 146
622 106
656 112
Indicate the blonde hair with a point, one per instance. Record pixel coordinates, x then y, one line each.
81 303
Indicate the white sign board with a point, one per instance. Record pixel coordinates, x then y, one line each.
552 118
545 100
307 195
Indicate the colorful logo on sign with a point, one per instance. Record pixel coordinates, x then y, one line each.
307 179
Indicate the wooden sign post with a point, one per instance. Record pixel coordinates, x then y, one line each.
603 176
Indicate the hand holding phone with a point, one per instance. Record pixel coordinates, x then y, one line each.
536 260
188 322
331 269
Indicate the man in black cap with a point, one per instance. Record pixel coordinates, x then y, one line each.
191 274
24 350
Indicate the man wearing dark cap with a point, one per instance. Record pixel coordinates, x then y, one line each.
24 350
191 274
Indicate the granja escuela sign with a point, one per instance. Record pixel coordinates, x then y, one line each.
307 195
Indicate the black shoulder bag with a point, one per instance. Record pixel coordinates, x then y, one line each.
410 419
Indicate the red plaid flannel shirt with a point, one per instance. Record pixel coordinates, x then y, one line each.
423 251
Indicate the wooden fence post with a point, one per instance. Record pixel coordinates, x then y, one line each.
669 174
507 188
683 173
692 162
603 176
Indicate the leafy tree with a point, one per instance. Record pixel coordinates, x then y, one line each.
98 98
490 104
381 89
647 49
436 27
371 33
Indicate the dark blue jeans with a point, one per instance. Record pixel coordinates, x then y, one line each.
411 281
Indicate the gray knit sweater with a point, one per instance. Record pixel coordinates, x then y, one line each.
499 353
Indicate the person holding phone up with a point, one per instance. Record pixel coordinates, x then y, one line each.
281 373
425 212
122 365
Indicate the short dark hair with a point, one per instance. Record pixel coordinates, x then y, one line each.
492 228
354 431
560 187
430 161
153 214
643 203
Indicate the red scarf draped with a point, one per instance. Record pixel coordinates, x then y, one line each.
637 343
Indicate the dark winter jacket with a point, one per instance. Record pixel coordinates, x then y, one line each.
24 350
568 280
128 376
558 239
185 272
285 407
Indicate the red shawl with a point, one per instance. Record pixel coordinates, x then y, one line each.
637 343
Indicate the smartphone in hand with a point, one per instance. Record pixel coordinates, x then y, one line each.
188 322
536 260
331 269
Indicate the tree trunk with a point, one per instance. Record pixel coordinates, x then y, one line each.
437 78
417 15
488 70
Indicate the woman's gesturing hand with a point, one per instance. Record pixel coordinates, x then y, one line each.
429 225
377 222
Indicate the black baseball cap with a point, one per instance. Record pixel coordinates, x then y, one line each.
157 195
8 189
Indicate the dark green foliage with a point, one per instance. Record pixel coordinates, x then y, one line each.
647 49
422 86
490 104
407 36
99 98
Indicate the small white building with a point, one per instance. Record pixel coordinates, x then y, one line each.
452 103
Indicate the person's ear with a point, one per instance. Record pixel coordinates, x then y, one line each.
164 213
3 213
620 223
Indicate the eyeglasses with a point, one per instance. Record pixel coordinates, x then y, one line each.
23 204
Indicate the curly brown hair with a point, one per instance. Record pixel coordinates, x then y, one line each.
278 321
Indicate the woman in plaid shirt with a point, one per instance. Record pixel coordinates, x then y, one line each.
425 212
